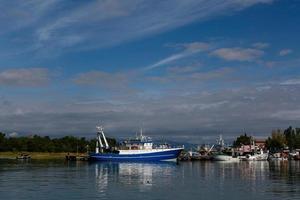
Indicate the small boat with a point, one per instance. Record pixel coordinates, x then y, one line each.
134 150
193 155
294 155
222 153
260 156
23 156
278 157
202 153
225 157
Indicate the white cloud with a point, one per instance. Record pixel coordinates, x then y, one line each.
170 59
293 114
189 49
225 109
214 74
191 46
263 88
291 82
112 82
17 15
183 69
197 46
291 63
189 76
261 45
199 106
56 25
285 52
238 54
24 77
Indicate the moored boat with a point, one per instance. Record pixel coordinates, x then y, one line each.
138 149
23 156
224 157
198 156
260 156
224 154
278 157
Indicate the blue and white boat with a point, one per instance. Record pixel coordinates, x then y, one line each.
138 149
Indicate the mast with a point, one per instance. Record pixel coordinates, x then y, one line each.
99 140
141 134
104 138
220 141
99 134
99 144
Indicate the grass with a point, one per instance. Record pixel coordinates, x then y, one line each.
35 155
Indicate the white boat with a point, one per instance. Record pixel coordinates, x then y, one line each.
261 156
224 157
221 156
277 157
23 156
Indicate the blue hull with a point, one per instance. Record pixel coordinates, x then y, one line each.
145 157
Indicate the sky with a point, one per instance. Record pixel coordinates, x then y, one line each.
187 70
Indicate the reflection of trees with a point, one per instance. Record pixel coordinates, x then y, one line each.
285 177
284 170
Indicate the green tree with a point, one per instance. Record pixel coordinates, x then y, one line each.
37 143
277 141
242 140
2 141
292 136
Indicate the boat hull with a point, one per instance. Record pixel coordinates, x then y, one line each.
164 155
257 157
225 158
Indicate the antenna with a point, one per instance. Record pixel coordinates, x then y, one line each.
141 132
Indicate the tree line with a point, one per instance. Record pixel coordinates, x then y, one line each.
279 140
37 143
289 138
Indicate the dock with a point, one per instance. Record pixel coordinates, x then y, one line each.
71 157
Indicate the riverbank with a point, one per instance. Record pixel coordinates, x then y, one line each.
35 155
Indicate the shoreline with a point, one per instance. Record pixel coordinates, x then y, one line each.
37 155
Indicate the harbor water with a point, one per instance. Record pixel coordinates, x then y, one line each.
186 180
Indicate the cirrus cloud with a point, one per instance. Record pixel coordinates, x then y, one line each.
38 26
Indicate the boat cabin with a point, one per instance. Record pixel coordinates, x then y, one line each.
139 143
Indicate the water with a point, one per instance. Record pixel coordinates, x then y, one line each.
198 180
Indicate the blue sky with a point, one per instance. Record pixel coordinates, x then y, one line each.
189 69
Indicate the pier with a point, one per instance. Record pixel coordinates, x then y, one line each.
72 157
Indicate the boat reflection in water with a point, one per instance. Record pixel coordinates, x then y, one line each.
127 174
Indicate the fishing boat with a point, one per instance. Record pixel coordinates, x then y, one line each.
202 153
140 148
222 153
